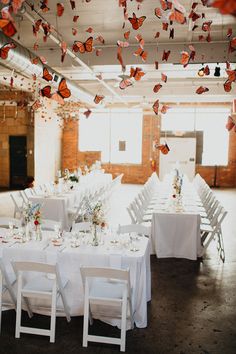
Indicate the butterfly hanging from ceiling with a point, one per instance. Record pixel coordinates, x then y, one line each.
83 47
136 22
4 50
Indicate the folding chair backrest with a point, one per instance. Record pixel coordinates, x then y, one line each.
106 273
216 215
132 215
17 205
34 267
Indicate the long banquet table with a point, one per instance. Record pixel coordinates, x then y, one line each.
70 259
176 229
56 206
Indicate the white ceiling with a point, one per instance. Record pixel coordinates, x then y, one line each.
106 19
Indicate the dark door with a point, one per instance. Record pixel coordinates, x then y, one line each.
18 161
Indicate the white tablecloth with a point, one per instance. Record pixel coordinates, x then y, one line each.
176 228
176 235
70 259
56 207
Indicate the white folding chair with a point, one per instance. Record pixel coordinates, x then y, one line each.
131 214
18 206
106 287
24 196
47 285
209 232
6 285
4 222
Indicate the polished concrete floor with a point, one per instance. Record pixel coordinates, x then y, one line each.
193 307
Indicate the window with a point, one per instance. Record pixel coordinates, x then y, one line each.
211 121
107 131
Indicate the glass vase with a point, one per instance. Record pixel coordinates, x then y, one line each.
95 236
28 231
38 233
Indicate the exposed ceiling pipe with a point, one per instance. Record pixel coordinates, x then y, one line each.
19 59
72 55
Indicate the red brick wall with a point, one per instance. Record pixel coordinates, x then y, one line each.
70 139
88 157
222 176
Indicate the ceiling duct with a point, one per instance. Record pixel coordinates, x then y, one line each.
20 60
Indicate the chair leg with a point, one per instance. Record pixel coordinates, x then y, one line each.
18 315
67 312
0 300
86 322
53 315
28 309
123 322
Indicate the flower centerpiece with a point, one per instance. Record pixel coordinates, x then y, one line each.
31 212
177 189
177 184
95 214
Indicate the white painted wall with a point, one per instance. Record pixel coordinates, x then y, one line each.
48 140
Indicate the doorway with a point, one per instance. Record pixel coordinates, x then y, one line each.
182 154
18 161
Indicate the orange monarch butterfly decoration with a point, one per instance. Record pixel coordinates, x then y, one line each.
72 3
164 148
140 39
136 73
46 91
165 55
7 27
185 57
166 5
87 113
62 92
46 75
36 105
157 87
136 22
60 9
163 77
126 35
44 5
4 50
140 52
125 83
81 47
98 99
155 107
164 109
201 90
225 6
228 86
